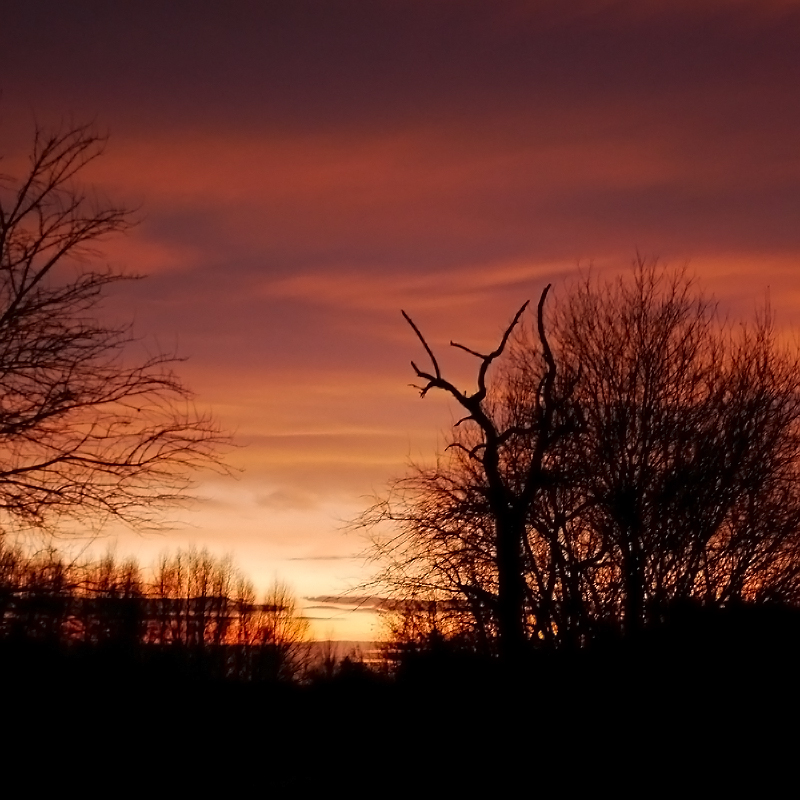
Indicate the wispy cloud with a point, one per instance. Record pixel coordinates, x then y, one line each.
324 558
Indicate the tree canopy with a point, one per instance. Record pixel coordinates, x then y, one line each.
627 451
88 429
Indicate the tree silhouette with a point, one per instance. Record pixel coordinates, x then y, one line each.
628 452
111 597
687 464
467 520
279 636
86 430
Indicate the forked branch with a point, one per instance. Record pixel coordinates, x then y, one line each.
435 379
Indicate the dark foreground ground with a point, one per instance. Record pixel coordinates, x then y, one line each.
701 710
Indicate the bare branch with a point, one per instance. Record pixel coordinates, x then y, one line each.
472 452
487 360
468 350
425 345
86 430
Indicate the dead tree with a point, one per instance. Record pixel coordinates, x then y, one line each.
508 494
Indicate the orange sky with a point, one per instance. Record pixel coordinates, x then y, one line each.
304 170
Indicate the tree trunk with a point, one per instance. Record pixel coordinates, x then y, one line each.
510 593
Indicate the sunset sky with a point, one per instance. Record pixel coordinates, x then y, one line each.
303 170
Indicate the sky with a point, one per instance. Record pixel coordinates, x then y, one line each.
302 170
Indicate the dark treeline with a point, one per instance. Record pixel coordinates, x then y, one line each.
697 697
189 612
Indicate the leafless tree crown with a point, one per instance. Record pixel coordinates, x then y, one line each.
631 451
85 432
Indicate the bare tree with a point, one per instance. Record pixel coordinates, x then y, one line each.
110 601
688 464
281 636
631 450
194 598
85 431
466 521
